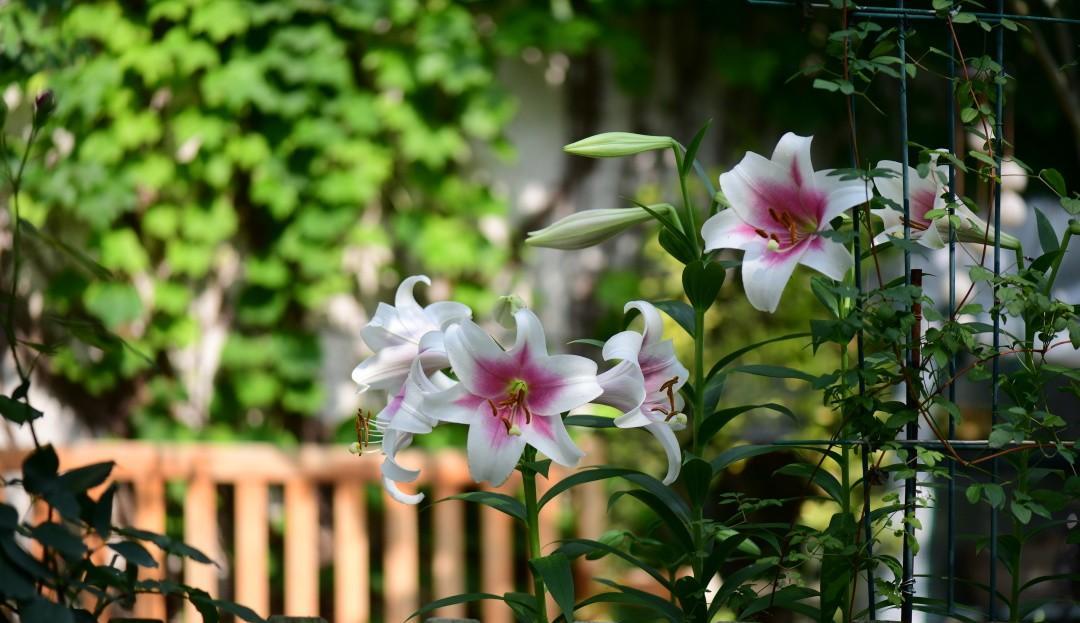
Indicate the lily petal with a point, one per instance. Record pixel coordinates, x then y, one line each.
454 404
547 433
654 324
444 313
492 452
479 363
670 443
530 340
792 154
560 383
386 369
727 230
624 345
392 473
840 195
623 385
765 275
828 257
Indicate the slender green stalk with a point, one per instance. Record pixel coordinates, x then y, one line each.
532 524
699 379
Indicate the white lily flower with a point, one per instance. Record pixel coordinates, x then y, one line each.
645 384
926 194
407 341
779 207
591 227
510 398
400 333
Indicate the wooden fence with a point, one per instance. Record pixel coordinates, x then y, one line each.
252 469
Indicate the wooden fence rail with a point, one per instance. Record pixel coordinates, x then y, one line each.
253 469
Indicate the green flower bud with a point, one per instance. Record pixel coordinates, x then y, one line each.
591 227
616 144
506 307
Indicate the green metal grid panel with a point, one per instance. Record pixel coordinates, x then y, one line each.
902 15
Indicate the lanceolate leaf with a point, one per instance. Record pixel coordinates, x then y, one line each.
717 421
590 421
577 547
735 354
453 600
499 501
657 488
555 571
673 521
680 312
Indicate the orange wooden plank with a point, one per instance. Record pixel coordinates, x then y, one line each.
301 549
201 532
351 552
401 560
496 561
252 540
448 557
150 515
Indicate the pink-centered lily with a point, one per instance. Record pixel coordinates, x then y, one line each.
400 333
779 209
645 383
510 398
927 201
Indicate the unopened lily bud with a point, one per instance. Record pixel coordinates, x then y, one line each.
615 144
591 227
974 229
515 431
506 307
44 104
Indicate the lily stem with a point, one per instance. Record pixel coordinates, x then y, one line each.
532 524
699 443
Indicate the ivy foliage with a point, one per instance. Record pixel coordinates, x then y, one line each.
246 162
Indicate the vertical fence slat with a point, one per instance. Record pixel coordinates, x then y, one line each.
448 558
301 549
496 561
150 515
401 560
201 532
351 587
252 546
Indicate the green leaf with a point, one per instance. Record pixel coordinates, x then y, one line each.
17 412
968 114
80 479
577 547
701 282
836 564
995 494
590 421
499 501
44 611
134 553
690 156
973 493
1047 236
640 598
697 475
592 474
61 539
735 354
452 601
1021 512
818 476
718 420
1071 205
674 521
777 372
680 312
39 470
1055 179
555 571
